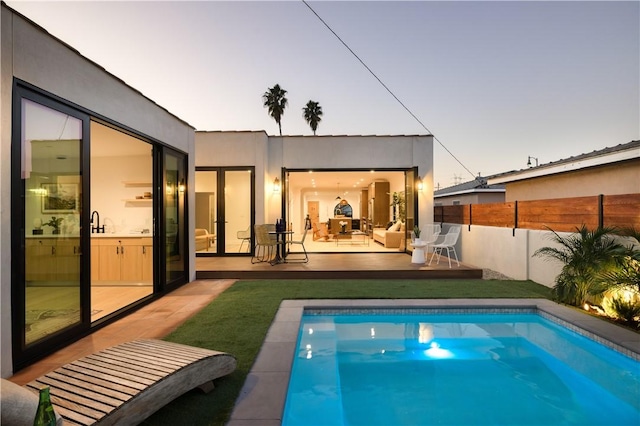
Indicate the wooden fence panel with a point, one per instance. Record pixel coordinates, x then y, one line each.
450 214
565 214
621 211
494 214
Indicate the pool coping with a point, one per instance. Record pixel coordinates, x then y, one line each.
261 400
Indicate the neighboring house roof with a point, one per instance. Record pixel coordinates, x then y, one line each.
478 185
610 155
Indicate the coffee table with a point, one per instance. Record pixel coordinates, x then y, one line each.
352 237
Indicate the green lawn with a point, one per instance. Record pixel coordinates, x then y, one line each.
237 322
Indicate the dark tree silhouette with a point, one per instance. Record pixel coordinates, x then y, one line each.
275 100
312 113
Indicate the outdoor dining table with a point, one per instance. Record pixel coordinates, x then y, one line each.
281 250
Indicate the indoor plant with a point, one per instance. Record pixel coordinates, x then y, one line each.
55 224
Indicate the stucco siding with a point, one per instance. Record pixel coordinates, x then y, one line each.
6 55
45 62
620 178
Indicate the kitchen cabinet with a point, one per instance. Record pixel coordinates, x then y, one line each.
147 260
379 204
121 259
52 259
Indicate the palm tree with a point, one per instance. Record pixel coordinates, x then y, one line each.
584 254
312 113
276 102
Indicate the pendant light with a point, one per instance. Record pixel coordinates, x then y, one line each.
338 197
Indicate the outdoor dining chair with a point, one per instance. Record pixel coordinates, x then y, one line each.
449 244
265 245
245 236
301 243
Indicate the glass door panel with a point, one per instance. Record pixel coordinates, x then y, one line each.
51 150
174 217
206 211
411 205
238 211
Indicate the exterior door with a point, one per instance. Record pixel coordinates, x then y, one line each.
49 241
174 217
225 206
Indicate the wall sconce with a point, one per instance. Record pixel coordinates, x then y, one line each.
276 185
181 187
529 161
420 184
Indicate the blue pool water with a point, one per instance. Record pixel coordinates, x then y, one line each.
456 369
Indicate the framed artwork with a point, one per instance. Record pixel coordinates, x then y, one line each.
60 198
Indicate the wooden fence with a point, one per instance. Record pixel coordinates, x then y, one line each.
562 215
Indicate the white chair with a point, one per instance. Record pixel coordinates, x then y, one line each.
431 234
301 243
245 236
449 244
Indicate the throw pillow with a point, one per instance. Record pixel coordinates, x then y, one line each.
389 225
396 226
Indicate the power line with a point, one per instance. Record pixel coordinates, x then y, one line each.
386 88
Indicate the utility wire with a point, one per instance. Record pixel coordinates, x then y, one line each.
386 88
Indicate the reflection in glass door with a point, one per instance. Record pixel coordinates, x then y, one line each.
224 211
51 151
174 217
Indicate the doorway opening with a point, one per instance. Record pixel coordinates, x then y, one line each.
349 209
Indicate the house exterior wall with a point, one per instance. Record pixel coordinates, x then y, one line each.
228 149
619 178
30 54
360 152
472 198
270 153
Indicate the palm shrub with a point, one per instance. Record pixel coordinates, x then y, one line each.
584 254
620 284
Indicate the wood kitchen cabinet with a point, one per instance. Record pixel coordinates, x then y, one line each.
52 259
379 204
147 260
119 259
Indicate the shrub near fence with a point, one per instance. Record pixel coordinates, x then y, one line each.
561 214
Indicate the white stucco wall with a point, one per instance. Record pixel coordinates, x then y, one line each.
501 250
30 54
360 152
228 149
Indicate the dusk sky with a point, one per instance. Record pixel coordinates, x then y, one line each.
495 82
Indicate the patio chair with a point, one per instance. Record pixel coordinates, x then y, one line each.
265 245
301 243
431 233
245 236
449 244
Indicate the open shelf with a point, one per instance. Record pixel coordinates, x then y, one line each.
137 183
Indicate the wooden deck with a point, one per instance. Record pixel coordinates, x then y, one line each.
334 265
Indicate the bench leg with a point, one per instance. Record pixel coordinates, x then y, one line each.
207 387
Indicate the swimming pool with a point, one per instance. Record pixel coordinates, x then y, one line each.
473 367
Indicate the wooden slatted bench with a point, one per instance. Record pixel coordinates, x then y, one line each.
127 383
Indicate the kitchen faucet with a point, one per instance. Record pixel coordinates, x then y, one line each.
97 228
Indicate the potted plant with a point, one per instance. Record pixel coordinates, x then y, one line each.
416 232
55 224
